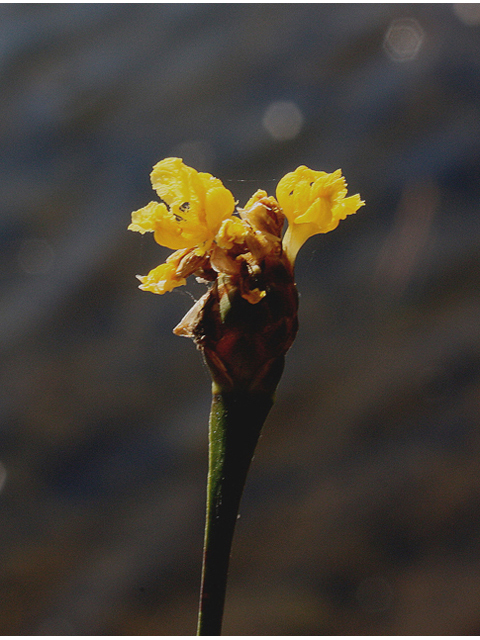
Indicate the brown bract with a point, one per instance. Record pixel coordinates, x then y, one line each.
244 343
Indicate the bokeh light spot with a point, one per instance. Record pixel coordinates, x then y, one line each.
403 39
283 120
468 13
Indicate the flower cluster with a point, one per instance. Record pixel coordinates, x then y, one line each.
196 216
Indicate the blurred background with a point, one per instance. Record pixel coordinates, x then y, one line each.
362 511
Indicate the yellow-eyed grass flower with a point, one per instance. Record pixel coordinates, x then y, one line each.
313 202
191 209
244 324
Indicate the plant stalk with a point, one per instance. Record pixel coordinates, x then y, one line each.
236 420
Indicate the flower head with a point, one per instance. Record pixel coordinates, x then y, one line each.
247 319
313 202
195 216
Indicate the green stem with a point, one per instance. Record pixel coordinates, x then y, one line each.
236 419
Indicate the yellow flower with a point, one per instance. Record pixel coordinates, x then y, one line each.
191 209
313 202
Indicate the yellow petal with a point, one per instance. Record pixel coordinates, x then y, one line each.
258 195
232 231
171 179
161 279
219 204
348 206
147 218
169 234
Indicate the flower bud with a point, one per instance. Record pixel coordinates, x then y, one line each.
243 343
